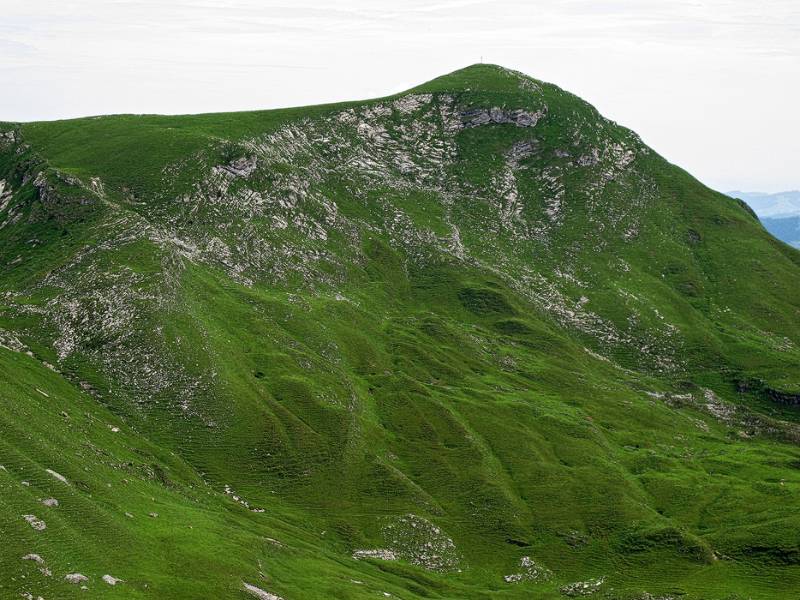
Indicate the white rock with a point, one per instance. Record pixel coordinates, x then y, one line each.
111 580
35 522
34 558
58 476
51 502
75 578
259 593
378 553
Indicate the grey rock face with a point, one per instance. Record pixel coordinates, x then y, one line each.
8 138
259 593
583 588
378 553
35 522
530 571
483 116
590 160
34 558
520 151
242 167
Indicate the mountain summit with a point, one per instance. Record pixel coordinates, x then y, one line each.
473 340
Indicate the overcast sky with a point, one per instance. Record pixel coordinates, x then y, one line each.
712 85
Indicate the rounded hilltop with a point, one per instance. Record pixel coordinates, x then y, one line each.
494 85
481 77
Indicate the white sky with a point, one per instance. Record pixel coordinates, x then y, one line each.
714 85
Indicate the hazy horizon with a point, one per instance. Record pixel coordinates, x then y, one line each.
709 85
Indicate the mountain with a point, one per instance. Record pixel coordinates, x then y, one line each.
473 340
780 213
784 228
782 204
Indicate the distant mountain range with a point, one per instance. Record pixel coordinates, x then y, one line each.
780 213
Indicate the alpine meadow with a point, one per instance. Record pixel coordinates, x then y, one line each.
473 340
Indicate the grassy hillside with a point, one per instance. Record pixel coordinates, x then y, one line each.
470 341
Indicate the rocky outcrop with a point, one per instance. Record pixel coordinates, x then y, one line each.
34 557
520 151
487 116
416 540
583 588
761 388
257 592
241 167
35 522
8 138
62 196
378 553
58 476
530 570
790 398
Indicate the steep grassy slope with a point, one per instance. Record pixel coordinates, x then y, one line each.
470 341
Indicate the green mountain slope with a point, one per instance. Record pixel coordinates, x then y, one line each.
470 341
